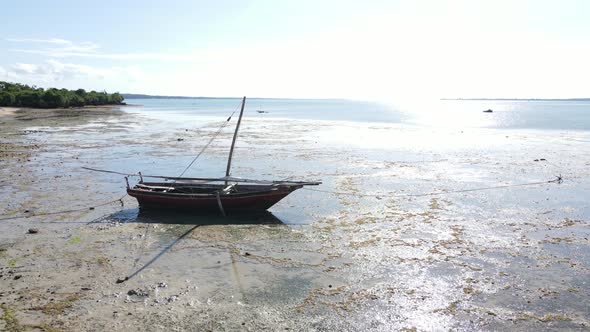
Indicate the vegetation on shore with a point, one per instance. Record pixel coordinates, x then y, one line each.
21 95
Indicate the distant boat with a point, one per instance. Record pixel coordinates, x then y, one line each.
488 111
210 194
260 110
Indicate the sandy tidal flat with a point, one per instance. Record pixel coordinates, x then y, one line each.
401 246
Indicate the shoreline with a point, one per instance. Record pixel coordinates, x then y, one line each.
13 109
6 111
27 113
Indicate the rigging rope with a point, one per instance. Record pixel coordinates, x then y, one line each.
559 179
112 172
210 141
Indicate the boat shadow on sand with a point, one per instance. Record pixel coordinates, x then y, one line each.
150 216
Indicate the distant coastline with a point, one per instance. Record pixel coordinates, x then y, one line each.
144 96
22 95
520 99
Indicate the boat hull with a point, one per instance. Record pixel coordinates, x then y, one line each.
257 201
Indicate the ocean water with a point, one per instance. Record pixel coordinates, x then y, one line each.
551 115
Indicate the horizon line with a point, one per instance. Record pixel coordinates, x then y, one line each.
136 95
573 99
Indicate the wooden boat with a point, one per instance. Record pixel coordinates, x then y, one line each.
213 194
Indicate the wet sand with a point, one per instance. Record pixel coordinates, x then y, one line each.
7 111
514 258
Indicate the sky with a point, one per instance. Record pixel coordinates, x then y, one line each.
367 50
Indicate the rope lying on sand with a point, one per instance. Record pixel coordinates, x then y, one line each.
120 200
559 179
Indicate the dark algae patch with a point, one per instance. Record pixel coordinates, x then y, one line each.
55 308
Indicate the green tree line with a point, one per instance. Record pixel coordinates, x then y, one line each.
21 95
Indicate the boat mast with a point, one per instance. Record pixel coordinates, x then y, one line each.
233 142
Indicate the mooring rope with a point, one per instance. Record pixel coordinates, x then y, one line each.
559 179
120 200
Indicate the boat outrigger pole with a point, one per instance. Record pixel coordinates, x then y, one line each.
233 142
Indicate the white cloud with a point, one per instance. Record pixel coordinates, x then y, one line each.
56 73
57 46
26 69
61 48
62 53
35 40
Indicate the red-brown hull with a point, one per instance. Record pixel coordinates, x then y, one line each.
207 203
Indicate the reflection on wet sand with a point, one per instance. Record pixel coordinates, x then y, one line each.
155 216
